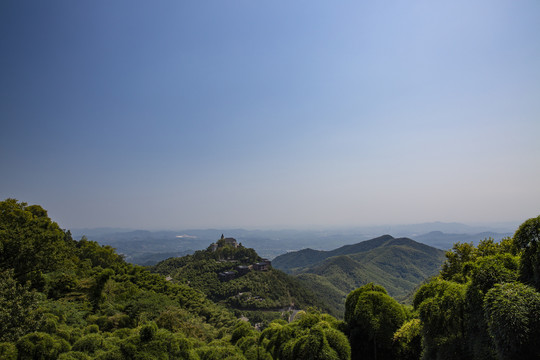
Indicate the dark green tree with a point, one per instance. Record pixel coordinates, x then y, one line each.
277 334
99 255
456 259
241 329
310 336
484 274
372 317
96 291
408 340
352 298
527 240
8 351
441 308
19 311
41 346
30 242
148 331
512 311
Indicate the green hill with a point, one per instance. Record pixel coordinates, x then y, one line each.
230 276
296 261
68 299
399 265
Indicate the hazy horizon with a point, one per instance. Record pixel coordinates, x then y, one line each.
271 114
375 230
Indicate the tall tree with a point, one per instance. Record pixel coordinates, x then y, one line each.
372 318
527 240
18 308
441 307
30 242
513 316
485 273
311 336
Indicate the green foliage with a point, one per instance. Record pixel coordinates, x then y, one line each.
8 351
30 243
333 296
219 351
148 332
527 240
461 256
89 301
269 291
513 316
89 343
484 273
408 340
475 309
19 311
241 329
352 299
311 336
153 343
441 308
74 355
77 300
60 283
102 256
96 296
41 346
397 264
453 268
372 318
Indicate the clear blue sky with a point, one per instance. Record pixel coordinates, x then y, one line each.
176 114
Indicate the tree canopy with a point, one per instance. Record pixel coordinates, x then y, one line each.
69 299
372 317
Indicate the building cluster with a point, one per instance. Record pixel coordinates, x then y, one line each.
263 265
240 270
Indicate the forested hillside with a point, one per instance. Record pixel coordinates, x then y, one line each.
66 299
69 299
229 275
400 265
484 304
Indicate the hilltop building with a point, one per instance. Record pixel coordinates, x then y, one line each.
231 241
223 242
228 241
243 269
264 265
227 275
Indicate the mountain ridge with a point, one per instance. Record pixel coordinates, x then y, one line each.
308 256
398 264
145 247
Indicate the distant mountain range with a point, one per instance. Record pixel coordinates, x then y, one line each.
328 265
149 247
398 264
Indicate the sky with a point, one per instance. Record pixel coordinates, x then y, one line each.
270 114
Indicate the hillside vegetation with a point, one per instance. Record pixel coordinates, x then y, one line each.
228 275
76 300
69 299
399 265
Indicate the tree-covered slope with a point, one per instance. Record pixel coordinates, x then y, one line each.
483 304
295 261
228 276
76 300
69 299
399 265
